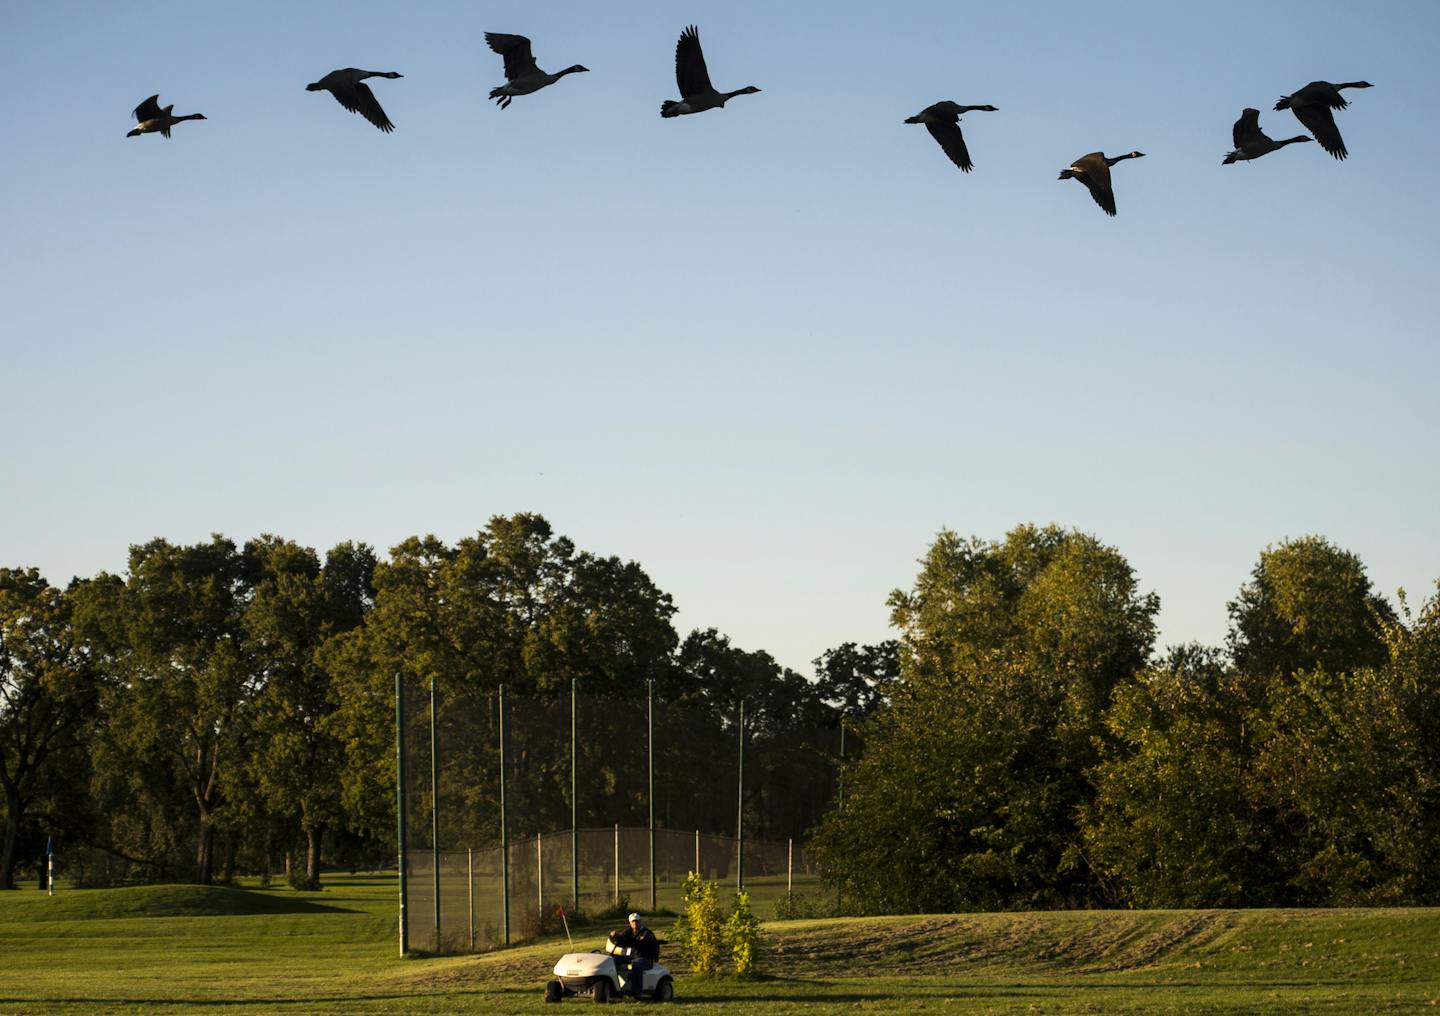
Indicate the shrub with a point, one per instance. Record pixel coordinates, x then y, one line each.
701 936
742 931
794 906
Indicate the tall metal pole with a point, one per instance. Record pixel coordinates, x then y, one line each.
617 862
435 811
574 799
470 885
400 811
740 806
504 831
650 712
840 806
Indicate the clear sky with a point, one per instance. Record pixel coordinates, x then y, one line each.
766 351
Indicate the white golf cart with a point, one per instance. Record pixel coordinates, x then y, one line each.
604 974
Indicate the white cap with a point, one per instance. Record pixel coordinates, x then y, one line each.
634 917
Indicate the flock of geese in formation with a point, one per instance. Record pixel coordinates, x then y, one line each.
1312 105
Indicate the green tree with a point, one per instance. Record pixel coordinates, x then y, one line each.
1175 821
175 716
791 735
47 694
1345 766
1308 606
295 605
515 605
968 792
1222 787
857 679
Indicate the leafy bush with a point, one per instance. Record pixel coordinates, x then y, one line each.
701 931
795 906
742 931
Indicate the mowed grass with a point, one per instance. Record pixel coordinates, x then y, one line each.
180 949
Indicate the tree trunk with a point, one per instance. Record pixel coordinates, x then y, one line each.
205 850
267 861
227 870
313 836
12 835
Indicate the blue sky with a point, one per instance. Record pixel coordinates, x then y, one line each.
767 351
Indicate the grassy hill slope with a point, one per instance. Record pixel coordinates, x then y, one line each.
181 949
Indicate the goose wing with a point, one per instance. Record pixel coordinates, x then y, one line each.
1319 121
952 142
691 74
1247 130
1103 195
519 62
149 109
1094 173
357 98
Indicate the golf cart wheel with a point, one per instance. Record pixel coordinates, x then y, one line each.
665 990
554 991
602 989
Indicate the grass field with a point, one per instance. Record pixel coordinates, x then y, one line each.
180 949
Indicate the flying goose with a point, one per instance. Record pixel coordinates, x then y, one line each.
522 75
696 93
1312 105
150 117
942 120
1093 171
1251 142
349 88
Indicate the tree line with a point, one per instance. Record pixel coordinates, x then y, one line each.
1037 752
219 709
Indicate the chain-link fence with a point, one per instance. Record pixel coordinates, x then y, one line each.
588 872
641 793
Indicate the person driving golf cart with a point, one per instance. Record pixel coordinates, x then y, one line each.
646 951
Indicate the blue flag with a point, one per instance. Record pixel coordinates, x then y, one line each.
49 845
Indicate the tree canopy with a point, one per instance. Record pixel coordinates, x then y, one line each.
967 794
220 708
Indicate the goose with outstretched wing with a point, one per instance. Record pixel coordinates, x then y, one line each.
1093 171
697 94
942 120
1313 106
350 90
522 74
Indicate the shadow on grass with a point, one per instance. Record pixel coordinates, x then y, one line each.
714 994
305 1004
169 901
